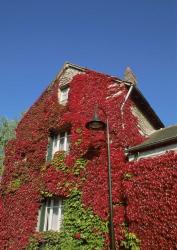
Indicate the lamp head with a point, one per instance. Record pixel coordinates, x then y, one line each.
95 123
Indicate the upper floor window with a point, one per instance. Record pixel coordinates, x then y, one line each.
63 94
58 142
50 216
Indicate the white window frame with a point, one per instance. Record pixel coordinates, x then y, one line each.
56 144
48 215
63 94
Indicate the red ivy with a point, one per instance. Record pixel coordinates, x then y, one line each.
150 195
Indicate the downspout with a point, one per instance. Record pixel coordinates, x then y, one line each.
123 104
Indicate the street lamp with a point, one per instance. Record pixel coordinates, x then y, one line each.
97 124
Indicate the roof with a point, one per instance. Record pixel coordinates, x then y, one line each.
146 108
83 69
136 95
160 137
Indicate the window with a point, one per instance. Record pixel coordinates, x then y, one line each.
63 95
50 215
58 142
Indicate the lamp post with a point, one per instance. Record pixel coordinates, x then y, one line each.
97 124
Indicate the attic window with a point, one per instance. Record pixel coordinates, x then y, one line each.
63 94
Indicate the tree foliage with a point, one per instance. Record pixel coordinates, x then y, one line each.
7 132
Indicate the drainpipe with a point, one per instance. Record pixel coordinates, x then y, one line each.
123 104
127 96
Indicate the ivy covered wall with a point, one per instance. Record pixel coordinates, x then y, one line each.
143 192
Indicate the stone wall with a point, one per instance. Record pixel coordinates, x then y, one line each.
145 127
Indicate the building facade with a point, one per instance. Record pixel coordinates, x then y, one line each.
54 189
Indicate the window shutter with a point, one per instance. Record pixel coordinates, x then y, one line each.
49 150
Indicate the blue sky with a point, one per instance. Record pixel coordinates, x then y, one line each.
37 37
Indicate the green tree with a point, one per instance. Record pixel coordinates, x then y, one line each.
7 132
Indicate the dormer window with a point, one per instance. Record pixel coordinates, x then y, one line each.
58 142
63 95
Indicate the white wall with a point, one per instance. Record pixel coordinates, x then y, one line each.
153 152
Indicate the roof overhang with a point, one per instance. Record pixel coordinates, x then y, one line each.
146 108
160 143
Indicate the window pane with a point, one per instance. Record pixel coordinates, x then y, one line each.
50 149
62 134
55 144
47 220
61 217
62 142
56 202
68 143
64 94
55 219
55 140
42 217
48 203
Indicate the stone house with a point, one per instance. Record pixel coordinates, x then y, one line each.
54 190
